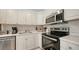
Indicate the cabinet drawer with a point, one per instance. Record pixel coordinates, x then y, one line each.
68 46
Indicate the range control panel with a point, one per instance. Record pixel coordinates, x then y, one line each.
66 29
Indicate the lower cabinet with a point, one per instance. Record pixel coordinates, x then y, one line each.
65 45
20 42
26 42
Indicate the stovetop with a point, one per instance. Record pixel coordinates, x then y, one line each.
56 34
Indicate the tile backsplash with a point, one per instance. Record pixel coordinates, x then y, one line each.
21 28
74 27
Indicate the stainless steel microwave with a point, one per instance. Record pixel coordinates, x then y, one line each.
57 17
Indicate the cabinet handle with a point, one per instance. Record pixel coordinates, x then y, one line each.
70 48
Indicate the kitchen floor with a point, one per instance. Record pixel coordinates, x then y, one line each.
38 49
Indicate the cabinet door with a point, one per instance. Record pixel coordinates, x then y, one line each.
34 19
63 45
25 18
3 16
68 46
31 42
71 14
20 17
29 19
11 17
40 19
36 40
20 43
8 16
25 42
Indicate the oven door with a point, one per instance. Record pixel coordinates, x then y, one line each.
49 43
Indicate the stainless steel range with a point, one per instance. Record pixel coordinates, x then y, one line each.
51 40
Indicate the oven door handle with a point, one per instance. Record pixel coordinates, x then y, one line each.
50 38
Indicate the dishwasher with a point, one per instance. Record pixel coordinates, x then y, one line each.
8 43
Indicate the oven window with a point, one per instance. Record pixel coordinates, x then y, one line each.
46 41
50 44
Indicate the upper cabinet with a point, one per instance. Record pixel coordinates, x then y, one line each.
12 16
71 14
8 16
21 17
40 19
31 19
3 16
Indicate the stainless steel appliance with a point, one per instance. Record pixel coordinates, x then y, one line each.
60 15
56 17
0 27
8 43
50 19
51 41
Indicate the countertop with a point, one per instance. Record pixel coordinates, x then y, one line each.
71 38
4 35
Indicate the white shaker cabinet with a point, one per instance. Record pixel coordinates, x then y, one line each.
24 18
24 42
31 19
37 40
21 42
31 42
8 16
27 18
11 17
27 42
40 19
21 16
3 16
65 45
71 14
34 19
